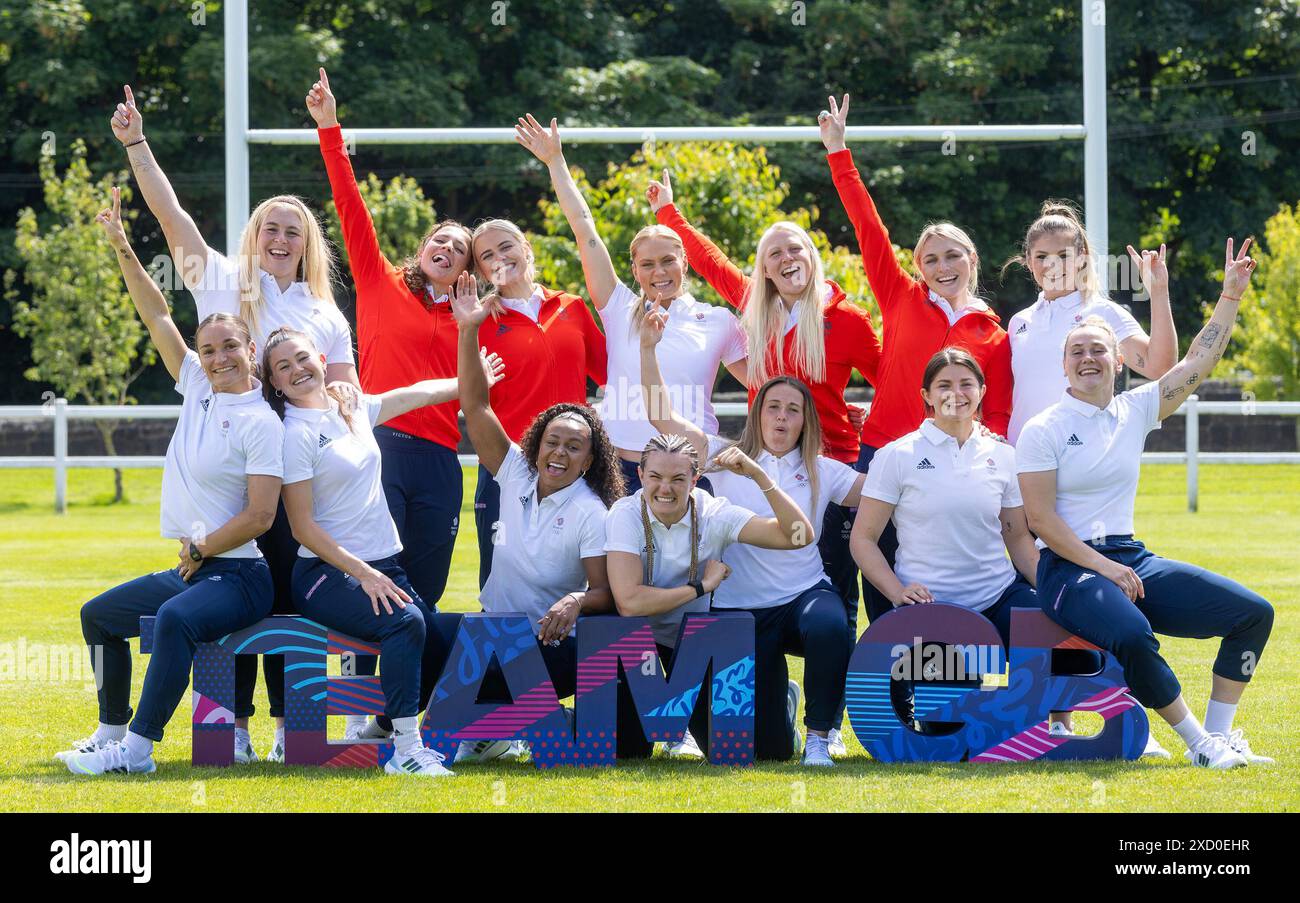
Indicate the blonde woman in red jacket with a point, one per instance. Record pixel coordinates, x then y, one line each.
920 316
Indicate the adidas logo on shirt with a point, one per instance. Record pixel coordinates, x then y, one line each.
324 441
925 465
502 329
1024 327
1074 440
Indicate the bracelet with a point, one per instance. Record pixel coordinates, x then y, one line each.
1229 297
698 586
768 489
134 143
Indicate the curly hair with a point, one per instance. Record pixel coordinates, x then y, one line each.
605 476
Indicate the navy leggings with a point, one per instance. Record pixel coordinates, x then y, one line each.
487 509
224 595
410 640
812 625
1180 600
424 486
281 552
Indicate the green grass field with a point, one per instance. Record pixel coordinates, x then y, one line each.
1248 528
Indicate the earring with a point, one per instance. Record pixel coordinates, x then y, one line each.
279 394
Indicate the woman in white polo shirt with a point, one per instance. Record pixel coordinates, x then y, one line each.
951 491
698 338
1057 254
347 567
220 483
280 277
1079 464
556 486
795 607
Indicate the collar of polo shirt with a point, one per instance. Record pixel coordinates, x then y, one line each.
272 288
1069 302
1069 402
226 399
685 518
791 461
936 436
683 305
302 413
558 497
975 303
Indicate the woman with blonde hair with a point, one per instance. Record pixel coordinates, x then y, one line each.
281 276
698 337
794 605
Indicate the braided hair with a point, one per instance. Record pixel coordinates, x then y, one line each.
673 445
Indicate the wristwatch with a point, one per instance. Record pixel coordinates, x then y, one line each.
698 586
195 554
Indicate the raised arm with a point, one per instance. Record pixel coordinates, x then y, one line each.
658 403
486 434
887 278
396 402
189 250
790 529
1210 343
364 256
1153 355
706 258
145 294
597 267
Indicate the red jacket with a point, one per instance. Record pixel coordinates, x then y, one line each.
547 362
851 341
403 338
914 326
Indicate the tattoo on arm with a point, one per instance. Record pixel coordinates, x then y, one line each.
1191 380
591 242
1209 334
1141 361
1174 393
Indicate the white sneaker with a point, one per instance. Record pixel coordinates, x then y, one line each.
1213 751
816 751
1237 741
276 753
112 758
1058 729
482 750
686 748
835 745
244 752
519 750
84 745
1153 748
792 695
357 731
423 762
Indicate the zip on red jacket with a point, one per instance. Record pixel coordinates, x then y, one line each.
547 362
851 342
401 338
914 326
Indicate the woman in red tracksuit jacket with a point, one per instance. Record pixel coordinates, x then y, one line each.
406 333
920 316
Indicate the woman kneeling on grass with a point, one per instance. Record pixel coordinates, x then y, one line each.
1079 463
221 482
347 558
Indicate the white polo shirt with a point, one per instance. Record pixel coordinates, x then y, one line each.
539 545
697 338
1097 455
766 578
953 316
347 492
221 440
719 524
947 501
530 307
218 292
1037 337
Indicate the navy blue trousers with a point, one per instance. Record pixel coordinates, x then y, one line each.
410 640
281 552
812 625
1180 600
487 509
224 595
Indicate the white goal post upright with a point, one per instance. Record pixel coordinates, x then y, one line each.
1092 132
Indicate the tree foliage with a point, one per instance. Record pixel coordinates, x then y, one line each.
1268 339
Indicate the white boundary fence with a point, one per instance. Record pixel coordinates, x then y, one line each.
61 412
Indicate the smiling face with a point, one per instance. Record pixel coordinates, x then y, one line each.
954 393
297 369
1091 361
281 241
946 266
227 357
667 480
445 256
786 260
658 265
1057 264
502 257
781 418
564 454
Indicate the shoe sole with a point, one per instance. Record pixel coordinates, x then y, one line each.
445 773
497 750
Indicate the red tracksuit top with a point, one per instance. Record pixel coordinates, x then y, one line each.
851 341
914 326
402 339
547 362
